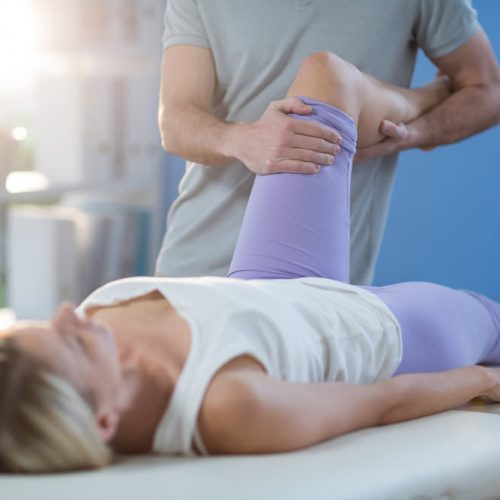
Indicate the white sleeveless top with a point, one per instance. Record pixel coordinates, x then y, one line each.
300 330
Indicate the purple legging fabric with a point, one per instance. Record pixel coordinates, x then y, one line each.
297 225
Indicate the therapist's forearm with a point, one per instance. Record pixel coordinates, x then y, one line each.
466 112
197 135
274 143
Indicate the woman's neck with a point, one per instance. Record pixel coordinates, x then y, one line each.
137 427
154 341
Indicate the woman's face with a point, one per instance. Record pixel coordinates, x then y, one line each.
79 350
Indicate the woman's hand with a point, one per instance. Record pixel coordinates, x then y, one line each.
493 393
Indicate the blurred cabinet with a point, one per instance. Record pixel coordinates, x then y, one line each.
92 128
45 272
77 135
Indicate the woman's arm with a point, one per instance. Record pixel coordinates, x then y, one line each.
254 413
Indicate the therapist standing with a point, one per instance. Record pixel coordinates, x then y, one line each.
225 61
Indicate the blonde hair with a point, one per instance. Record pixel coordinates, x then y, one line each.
46 425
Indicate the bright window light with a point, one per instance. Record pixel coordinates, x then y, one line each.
22 182
7 319
17 43
19 134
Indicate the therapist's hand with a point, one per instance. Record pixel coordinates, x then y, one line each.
280 143
397 138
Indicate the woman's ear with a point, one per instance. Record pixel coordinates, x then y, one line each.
107 424
108 417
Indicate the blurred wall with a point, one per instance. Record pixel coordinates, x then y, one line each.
444 219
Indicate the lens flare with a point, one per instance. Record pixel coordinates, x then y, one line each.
18 34
21 182
19 134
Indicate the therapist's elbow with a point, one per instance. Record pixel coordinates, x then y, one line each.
167 134
496 94
169 128
167 142
492 95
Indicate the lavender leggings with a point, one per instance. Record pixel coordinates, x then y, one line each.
297 225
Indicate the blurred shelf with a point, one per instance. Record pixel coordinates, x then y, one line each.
54 191
104 62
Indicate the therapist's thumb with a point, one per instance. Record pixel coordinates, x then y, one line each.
397 131
292 105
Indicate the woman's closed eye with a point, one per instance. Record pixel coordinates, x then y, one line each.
81 342
75 340
72 336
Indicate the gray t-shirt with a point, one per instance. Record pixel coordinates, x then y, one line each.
257 47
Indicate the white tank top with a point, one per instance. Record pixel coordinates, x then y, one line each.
300 330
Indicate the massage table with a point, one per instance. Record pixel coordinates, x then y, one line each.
451 455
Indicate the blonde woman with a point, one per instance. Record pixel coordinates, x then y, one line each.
279 355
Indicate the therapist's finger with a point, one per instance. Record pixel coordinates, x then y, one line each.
308 156
314 144
315 129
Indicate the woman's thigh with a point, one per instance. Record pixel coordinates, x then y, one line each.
297 225
442 328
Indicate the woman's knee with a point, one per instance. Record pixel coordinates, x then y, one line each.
331 67
325 76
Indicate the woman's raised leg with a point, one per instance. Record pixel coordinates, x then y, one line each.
298 225
330 79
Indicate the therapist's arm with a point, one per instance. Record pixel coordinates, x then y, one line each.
190 129
254 413
472 107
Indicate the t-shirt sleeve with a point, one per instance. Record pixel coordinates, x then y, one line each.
444 25
183 24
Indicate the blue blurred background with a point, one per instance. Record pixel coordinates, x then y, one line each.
444 219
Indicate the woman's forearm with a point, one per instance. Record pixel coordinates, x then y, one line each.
421 394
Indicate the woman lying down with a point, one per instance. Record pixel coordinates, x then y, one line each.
281 354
